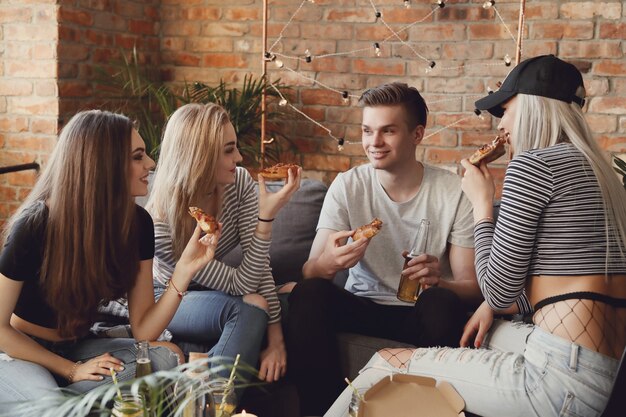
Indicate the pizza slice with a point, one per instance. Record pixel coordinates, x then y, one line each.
278 171
489 152
368 230
207 223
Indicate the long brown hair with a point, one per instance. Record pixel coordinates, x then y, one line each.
190 150
90 252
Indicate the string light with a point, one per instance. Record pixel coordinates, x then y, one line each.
271 55
377 48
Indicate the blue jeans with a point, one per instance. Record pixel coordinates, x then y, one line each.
225 322
22 381
552 377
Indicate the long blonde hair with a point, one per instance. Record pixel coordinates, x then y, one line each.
90 252
541 122
186 172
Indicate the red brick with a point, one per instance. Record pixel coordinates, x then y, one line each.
73 52
225 61
610 30
601 123
359 15
243 13
128 8
378 33
30 32
44 51
474 50
10 123
489 31
34 105
562 30
33 144
142 27
7 194
23 178
201 13
45 126
436 32
444 138
590 49
18 87
328 65
320 97
80 17
331 31
283 14
611 68
325 162
610 105
179 28
74 89
386 67
354 83
16 14
209 45
464 121
186 60
110 22
591 9
225 29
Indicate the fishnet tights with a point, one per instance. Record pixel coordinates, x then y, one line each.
398 357
592 324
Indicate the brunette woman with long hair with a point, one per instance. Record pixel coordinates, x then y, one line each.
79 240
227 308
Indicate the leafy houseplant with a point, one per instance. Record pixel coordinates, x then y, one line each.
137 91
169 392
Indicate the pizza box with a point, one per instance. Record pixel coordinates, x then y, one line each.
403 395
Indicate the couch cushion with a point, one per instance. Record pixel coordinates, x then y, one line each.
293 231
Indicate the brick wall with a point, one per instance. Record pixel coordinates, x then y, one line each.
92 35
28 93
207 40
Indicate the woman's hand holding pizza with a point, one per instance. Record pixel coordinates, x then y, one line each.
479 187
271 203
199 250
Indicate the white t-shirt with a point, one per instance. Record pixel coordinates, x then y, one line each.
356 197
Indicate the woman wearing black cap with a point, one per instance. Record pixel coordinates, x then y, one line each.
557 251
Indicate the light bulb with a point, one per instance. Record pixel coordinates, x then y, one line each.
377 48
441 4
407 3
488 4
345 96
279 63
507 60
282 102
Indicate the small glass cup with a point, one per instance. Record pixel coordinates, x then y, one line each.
355 401
224 397
128 406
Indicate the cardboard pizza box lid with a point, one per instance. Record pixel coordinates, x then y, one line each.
403 395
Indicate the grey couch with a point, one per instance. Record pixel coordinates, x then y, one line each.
292 236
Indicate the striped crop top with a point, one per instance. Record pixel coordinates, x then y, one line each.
551 222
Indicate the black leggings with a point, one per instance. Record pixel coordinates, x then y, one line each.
318 310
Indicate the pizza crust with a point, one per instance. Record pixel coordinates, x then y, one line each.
368 230
207 223
278 171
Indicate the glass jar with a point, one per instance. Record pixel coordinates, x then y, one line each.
355 401
224 397
127 406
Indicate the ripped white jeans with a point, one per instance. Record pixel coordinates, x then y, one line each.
550 377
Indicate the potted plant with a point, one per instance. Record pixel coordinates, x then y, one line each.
136 90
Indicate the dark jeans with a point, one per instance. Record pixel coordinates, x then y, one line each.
318 310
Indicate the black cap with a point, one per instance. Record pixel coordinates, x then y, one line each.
545 76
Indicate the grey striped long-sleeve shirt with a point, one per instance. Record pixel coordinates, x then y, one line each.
551 222
239 220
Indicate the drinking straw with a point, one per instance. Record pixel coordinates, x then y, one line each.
117 388
356 391
230 382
